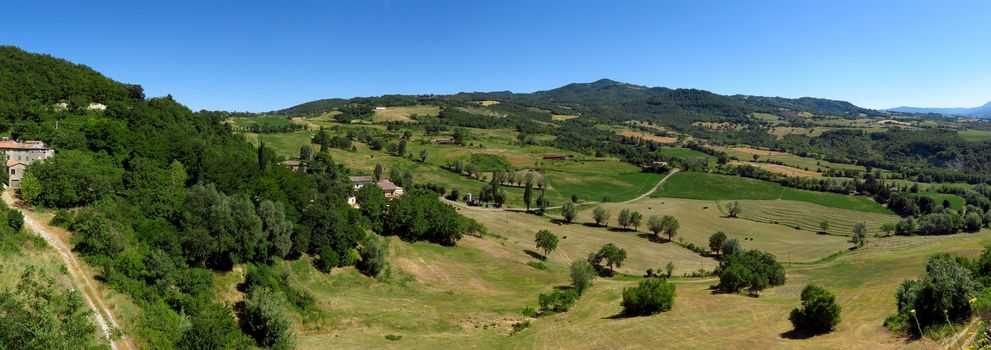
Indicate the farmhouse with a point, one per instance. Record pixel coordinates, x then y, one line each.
21 154
555 156
295 165
390 189
359 181
442 141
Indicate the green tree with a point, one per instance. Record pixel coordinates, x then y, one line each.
41 314
859 234
372 204
671 226
30 188
265 321
734 208
819 312
568 212
213 326
276 228
716 241
973 222
824 226
542 204
305 152
609 254
15 219
669 268
378 171
528 194
635 218
582 275
372 256
423 155
601 216
546 241
888 228
731 247
624 218
655 224
650 296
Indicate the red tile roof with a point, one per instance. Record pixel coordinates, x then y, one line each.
387 185
13 162
23 145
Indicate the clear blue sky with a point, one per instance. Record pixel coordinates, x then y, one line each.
265 55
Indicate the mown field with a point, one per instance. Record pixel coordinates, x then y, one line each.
975 135
811 164
696 185
404 113
807 216
956 202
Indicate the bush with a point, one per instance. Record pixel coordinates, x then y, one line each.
265 322
557 300
15 219
539 265
372 257
62 218
941 294
819 312
651 296
327 260
754 269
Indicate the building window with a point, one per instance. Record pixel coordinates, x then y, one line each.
12 171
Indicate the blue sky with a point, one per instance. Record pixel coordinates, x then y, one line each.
265 55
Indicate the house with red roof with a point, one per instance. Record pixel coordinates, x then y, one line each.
21 154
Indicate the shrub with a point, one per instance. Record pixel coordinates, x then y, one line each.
754 269
941 294
265 322
372 257
62 218
651 296
819 312
539 265
557 300
15 219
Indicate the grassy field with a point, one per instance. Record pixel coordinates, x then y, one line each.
701 218
800 214
403 113
975 135
468 296
685 153
956 202
261 121
811 164
724 187
781 169
562 117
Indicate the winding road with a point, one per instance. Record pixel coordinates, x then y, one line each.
82 281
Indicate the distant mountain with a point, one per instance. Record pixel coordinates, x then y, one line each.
613 100
979 112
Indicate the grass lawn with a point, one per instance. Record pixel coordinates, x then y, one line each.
724 187
685 153
793 214
262 121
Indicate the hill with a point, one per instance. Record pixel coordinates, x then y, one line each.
979 112
27 79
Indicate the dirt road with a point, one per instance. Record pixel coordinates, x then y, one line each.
82 281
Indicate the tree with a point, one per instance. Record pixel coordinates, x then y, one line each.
731 247
574 198
40 313
753 269
15 219
635 218
372 256
669 268
305 152
655 224
973 222
546 241
824 226
612 255
30 188
542 204
378 171
888 228
582 275
716 241
941 294
671 226
568 211
859 234
650 296
734 208
423 155
819 312
528 194
372 204
601 216
265 321
277 229
624 218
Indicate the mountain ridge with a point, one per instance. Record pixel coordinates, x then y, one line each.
983 111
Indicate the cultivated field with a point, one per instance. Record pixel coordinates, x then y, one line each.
655 138
781 169
808 216
403 113
811 164
563 117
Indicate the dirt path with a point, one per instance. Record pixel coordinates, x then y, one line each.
82 281
648 193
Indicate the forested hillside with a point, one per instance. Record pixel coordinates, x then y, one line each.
158 196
